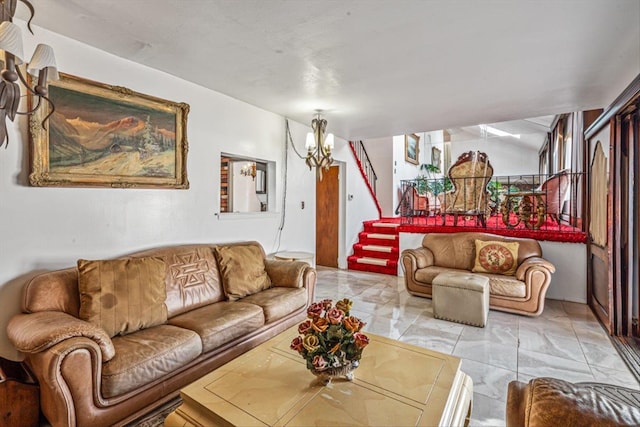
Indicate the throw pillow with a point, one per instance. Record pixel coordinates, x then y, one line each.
124 295
496 257
242 270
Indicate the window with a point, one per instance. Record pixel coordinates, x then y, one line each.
244 184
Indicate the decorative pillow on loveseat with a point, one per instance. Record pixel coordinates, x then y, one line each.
496 257
242 270
123 295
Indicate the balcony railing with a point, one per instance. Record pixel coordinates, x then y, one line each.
536 203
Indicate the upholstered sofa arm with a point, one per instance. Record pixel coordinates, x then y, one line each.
36 332
421 257
286 274
534 262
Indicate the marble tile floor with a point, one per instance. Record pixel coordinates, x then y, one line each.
565 342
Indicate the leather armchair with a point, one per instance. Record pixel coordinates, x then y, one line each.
551 402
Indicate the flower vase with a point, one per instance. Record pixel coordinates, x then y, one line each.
346 371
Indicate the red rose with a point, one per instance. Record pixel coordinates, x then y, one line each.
296 344
361 340
304 327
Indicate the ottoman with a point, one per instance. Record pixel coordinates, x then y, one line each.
461 297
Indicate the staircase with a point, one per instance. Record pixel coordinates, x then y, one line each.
377 249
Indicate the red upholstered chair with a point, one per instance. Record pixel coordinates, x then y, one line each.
555 190
419 203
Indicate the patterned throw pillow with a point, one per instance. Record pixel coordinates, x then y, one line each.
122 295
496 257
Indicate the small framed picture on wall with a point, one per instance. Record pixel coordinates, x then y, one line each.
435 157
411 148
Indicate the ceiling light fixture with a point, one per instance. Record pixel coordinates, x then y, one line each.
249 170
319 146
42 65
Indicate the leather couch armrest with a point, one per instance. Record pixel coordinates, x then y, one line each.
516 404
421 257
286 274
36 332
534 262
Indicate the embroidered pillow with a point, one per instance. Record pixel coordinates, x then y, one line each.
496 257
123 295
242 270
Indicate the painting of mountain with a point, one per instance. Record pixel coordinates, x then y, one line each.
93 134
90 134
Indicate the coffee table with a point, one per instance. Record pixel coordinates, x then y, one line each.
396 384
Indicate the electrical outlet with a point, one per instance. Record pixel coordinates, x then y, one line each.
302 205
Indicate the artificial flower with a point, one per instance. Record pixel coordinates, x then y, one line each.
344 305
304 327
335 315
296 344
315 310
311 343
330 337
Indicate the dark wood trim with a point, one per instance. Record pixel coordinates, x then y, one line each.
626 96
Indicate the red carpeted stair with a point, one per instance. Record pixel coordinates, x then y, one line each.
377 248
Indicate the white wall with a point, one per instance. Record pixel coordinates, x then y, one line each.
567 283
50 228
506 157
380 153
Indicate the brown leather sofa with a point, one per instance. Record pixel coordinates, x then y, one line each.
88 378
551 402
521 293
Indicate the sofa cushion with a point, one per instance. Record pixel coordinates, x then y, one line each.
147 355
222 322
496 257
278 302
242 270
427 274
192 279
122 295
506 286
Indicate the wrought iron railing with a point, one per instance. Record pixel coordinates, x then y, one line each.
367 168
532 202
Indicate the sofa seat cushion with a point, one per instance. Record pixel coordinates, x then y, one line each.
278 302
506 286
146 355
222 322
427 274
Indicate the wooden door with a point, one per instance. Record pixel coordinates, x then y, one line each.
327 218
599 269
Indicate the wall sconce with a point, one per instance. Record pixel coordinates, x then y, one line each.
42 64
249 170
319 146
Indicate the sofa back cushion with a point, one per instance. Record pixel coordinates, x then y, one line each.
192 278
242 269
123 295
457 250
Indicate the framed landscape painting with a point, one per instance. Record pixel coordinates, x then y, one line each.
107 136
411 148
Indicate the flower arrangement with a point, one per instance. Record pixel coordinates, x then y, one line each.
330 338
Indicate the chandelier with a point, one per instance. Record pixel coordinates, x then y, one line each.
249 170
42 65
319 146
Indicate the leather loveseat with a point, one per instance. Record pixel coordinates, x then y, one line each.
520 290
213 303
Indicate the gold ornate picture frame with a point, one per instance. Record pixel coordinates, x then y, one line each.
412 148
107 136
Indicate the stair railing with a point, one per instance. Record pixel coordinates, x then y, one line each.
366 169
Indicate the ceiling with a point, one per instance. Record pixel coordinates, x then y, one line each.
377 68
